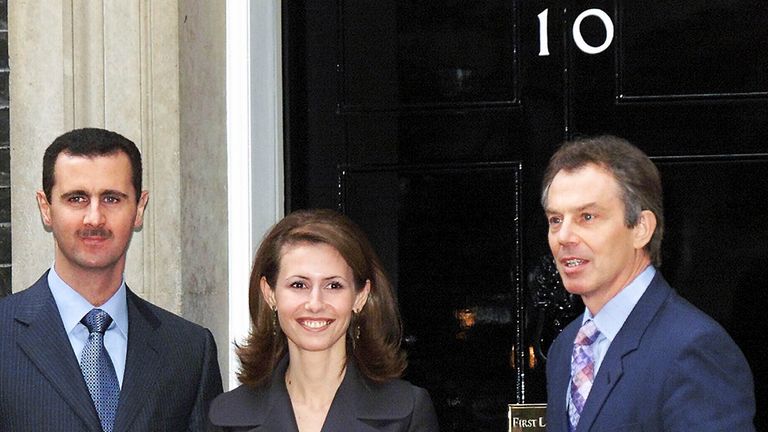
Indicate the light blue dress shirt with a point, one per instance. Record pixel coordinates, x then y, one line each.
612 316
73 307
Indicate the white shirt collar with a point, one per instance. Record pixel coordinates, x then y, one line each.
612 316
73 307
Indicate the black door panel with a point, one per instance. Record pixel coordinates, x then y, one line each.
430 123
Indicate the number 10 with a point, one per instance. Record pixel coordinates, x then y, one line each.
577 38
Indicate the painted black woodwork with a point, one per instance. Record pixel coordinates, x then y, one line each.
5 157
460 314
430 123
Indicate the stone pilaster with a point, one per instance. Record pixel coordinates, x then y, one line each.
152 70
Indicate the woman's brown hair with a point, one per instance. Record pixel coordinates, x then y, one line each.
376 351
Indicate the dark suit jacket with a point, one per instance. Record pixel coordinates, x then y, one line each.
171 371
670 368
359 406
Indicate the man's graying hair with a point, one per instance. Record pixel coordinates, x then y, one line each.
636 175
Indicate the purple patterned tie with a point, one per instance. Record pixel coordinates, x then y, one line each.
98 371
582 370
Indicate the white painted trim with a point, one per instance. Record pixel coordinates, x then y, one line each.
254 147
239 205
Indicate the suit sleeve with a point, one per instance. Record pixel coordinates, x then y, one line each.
209 386
424 418
710 387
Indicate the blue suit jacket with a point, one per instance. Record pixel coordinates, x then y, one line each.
670 368
359 406
171 371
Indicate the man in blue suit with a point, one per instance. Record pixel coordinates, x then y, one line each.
79 351
640 358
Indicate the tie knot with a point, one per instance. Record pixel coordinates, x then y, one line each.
588 333
97 321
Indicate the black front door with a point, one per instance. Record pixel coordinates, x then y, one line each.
430 123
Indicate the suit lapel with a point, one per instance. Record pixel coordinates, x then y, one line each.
265 408
371 407
561 377
141 364
342 411
44 340
626 341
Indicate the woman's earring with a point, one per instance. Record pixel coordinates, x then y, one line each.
274 320
356 314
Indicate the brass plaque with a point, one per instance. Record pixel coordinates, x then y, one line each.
527 417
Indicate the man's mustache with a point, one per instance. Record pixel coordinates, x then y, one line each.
95 232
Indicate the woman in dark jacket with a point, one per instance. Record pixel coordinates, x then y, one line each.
324 350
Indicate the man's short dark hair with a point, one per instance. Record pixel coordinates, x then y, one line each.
90 142
636 175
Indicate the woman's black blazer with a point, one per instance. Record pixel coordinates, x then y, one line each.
359 405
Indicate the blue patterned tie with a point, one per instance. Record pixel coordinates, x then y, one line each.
582 370
98 371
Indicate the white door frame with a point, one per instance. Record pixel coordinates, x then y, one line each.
254 147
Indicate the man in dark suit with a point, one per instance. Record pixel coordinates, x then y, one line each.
640 357
78 350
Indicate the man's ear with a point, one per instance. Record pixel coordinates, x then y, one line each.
138 222
644 228
45 208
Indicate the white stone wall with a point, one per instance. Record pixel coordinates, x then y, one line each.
153 70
